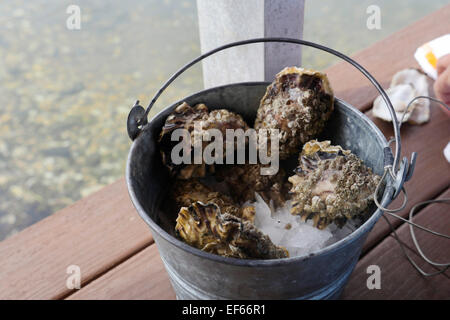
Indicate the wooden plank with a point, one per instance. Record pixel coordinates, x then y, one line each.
386 57
144 277
432 171
141 277
95 234
399 280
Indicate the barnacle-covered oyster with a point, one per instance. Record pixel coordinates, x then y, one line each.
205 227
185 117
186 192
298 103
331 184
244 180
405 86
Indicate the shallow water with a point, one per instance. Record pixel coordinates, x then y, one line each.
65 94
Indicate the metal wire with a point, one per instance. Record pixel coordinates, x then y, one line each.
411 261
421 97
442 267
387 170
412 224
413 235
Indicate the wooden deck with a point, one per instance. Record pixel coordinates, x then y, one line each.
114 249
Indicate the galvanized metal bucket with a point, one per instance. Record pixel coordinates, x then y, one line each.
196 274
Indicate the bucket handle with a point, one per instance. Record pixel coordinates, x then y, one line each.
400 173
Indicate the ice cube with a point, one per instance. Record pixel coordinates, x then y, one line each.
298 237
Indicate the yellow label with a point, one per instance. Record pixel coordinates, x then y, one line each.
429 55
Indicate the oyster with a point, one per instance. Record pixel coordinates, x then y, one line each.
298 103
186 192
331 185
405 86
400 96
204 226
185 117
246 179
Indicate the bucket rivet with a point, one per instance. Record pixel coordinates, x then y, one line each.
136 120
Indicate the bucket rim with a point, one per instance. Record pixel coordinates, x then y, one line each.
365 227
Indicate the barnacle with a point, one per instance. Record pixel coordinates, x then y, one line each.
244 180
185 117
298 103
205 227
331 185
186 192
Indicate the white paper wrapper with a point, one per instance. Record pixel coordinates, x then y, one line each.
428 54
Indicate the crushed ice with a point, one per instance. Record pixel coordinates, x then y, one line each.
298 237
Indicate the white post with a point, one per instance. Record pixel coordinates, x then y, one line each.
224 21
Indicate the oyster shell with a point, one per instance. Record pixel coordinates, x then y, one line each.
413 77
205 227
186 192
298 103
421 107
400 96
331 185
185 117
405 86
246 179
